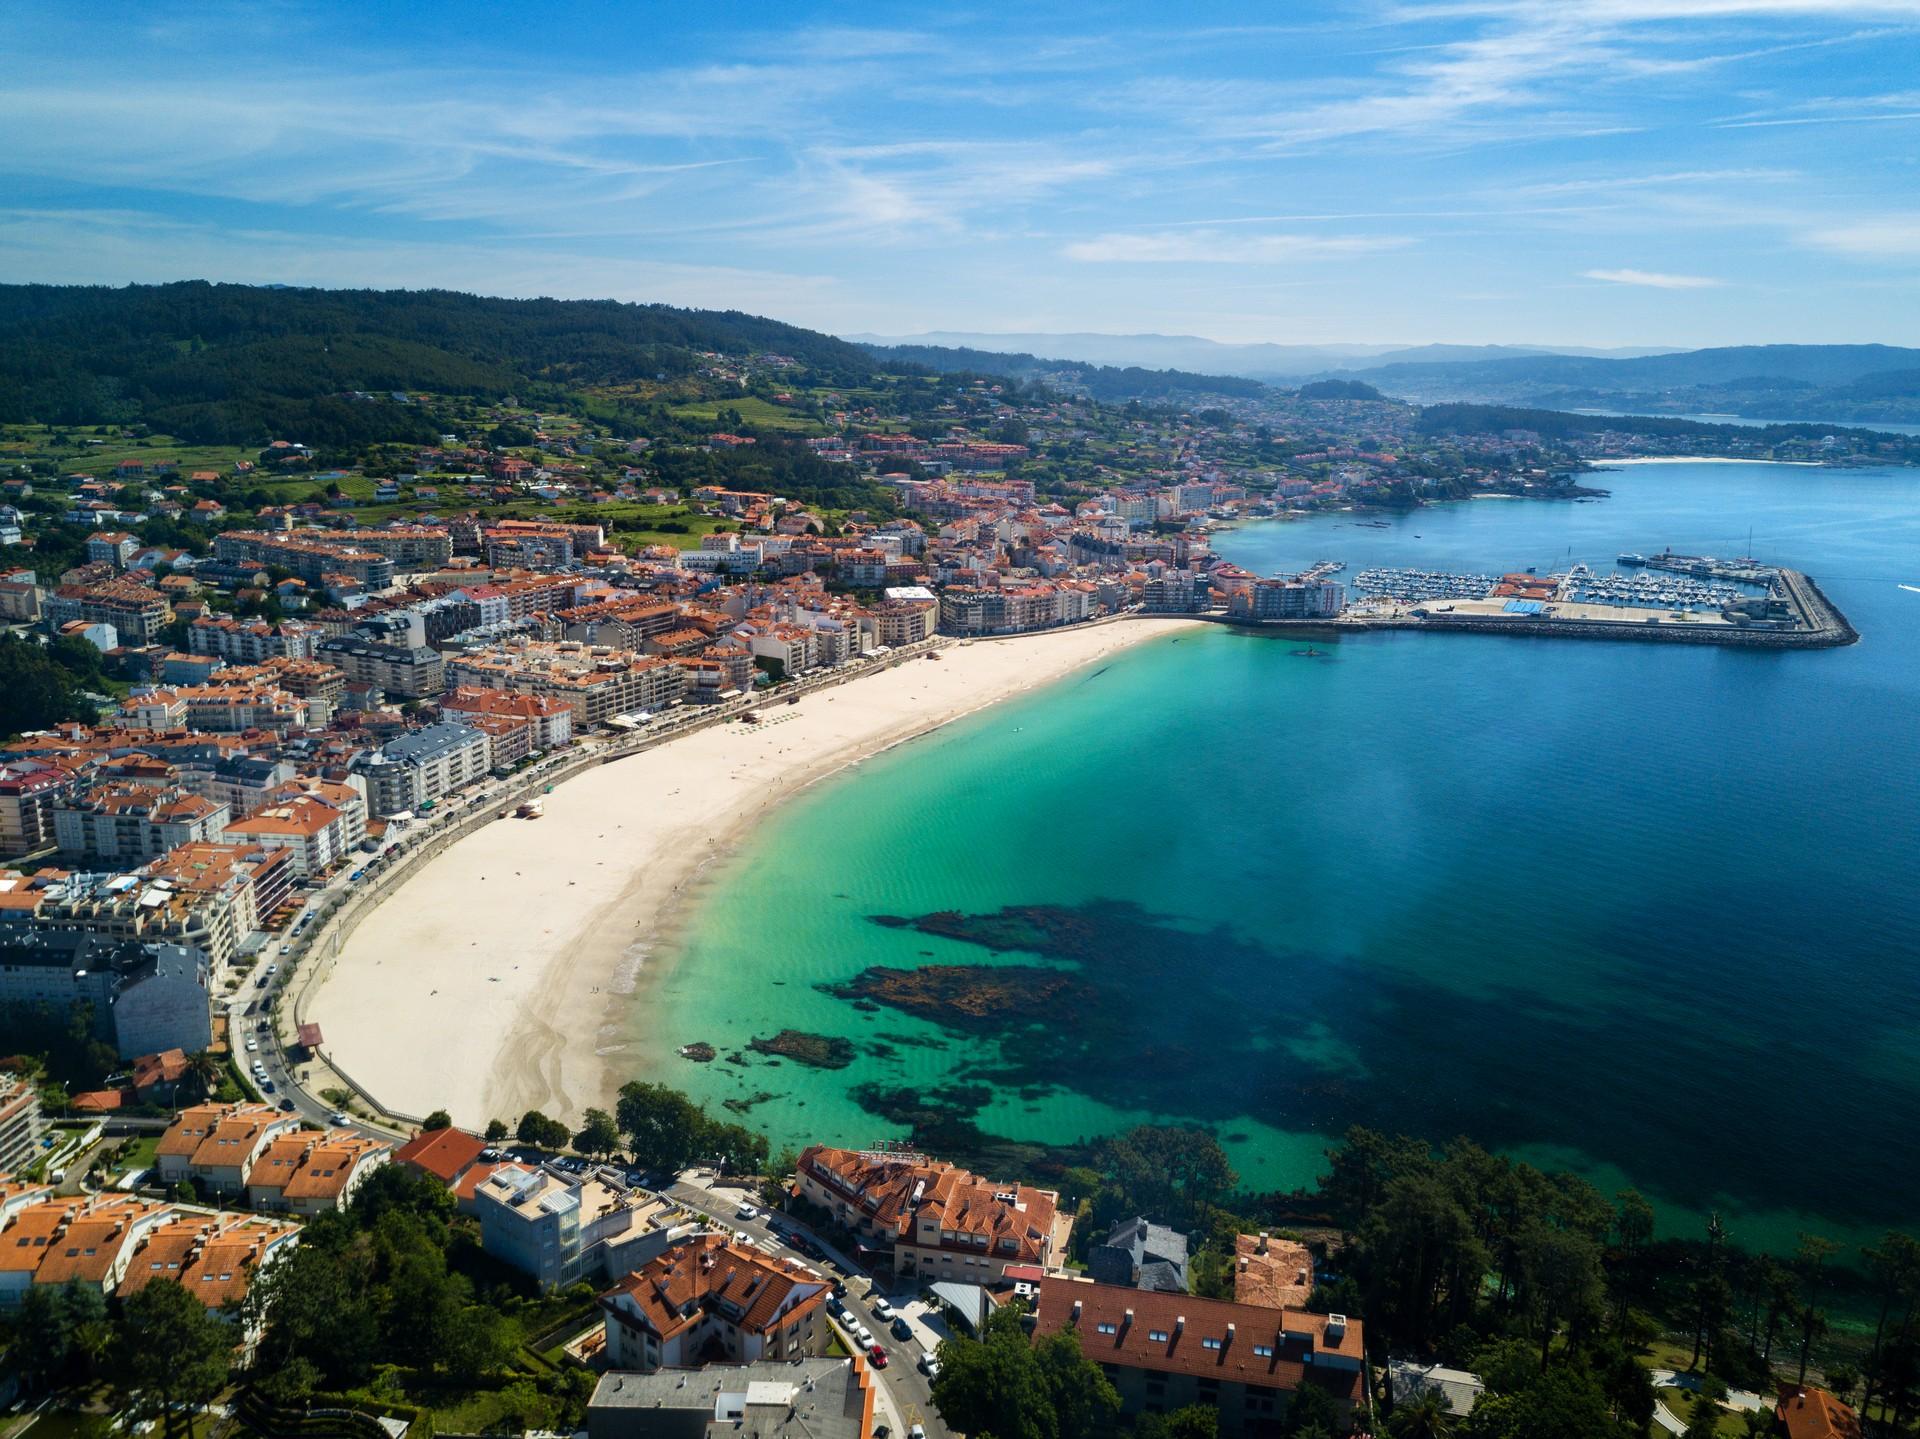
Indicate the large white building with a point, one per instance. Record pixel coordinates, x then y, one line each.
425 765
144 997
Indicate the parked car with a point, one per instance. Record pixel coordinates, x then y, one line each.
746 1211
287 1105
928 1366
882 1310
252 1045
864 1335
901 1329
338 1117
877 1355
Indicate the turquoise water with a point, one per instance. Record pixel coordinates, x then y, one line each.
1651 912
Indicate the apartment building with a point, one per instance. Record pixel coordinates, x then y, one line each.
84 1240
815 1398
937 1220
136 612
307 554
421 767
549 719
20 1122
1167 1351
398 671
711 1299
131 822
595 682
249 642
311 831
560 1229
30 790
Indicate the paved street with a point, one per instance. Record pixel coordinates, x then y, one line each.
905 1397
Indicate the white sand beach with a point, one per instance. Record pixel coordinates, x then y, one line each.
483 983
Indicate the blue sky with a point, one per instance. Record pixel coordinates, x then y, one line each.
1601 172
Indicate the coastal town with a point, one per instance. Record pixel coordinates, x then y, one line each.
256 694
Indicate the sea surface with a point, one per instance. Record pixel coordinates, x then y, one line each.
1650 912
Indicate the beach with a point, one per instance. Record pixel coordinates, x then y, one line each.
487 983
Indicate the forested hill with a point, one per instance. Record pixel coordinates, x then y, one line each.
236 363
1102 382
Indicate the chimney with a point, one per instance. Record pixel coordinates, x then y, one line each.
1229 1343
1075 1318
1180 1324
1263 1242
1127 1323
1336 1329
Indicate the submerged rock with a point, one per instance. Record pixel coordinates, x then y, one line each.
700 1053
819 1051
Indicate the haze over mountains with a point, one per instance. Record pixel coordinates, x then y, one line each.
1212 357
1855 384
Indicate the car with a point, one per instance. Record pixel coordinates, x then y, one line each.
928 1366
882 1310
901 1329
287 1106
746 1211
742 1237
266 1086
252 1045
877 1355
918 1431
338 1117
863 1334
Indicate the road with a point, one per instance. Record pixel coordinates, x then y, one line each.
904 1394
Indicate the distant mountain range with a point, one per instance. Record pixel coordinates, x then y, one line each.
1846 384
1211 357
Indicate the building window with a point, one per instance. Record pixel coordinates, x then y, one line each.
1109 1329
1263 1351
1209 1343
1157 1336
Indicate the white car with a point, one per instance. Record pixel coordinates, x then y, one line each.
252 1045
864 1335
746 1211
882 1310
338 1117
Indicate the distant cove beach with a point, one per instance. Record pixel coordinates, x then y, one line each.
485 983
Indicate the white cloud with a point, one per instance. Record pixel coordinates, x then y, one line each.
1222 247
1895 237
1654 280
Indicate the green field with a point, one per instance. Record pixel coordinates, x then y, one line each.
753 410
80 455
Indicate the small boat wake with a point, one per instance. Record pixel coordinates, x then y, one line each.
1911 589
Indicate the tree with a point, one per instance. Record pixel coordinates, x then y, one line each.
1084 1401
993 1384
1811 1261
662 1127
598 1134
1562 1274
171 1353
1703 1422
439 1119
541 1132
496 1130
1196 1421
1425 1416
1311 1415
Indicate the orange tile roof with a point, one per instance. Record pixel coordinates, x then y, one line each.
443 1153
1806 1412
674 1291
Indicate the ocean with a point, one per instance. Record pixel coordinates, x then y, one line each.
1648 912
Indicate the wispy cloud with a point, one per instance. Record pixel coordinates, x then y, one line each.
1654 279
1223 247
1895 237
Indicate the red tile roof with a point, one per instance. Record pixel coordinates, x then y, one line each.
443 1153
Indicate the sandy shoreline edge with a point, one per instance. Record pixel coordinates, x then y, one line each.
484 984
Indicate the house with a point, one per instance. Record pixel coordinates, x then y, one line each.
938 1221
309 1171
442 1155
1806 1412
214 1257
1275 1272
214 1146
1457 1388
709 1299
157 1076
812 1399
1244 1361
1141 1255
